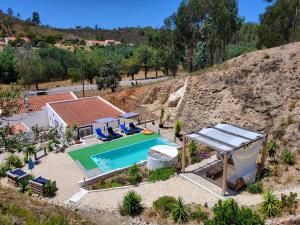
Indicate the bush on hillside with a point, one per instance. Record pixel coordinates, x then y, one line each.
228 212
254 188
161 174
164 205
288 157
135 176
199 215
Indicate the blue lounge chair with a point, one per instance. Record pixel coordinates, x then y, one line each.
136 129
100 135
125 130
112 133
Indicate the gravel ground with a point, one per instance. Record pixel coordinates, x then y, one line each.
176 186
61 168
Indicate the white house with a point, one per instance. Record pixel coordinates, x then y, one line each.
83 112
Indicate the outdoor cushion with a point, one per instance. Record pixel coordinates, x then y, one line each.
18 172
40 180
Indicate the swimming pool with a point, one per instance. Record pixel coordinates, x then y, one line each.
127 156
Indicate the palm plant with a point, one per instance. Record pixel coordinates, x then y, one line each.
272 149
270 205
29 151
131 204
179 212
50 188
288 157
23 186
13 161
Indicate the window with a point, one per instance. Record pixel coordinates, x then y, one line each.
85 131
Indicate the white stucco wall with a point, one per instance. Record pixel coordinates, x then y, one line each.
54 119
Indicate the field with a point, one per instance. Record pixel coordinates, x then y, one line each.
84 155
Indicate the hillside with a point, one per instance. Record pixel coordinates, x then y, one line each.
10 25
259 90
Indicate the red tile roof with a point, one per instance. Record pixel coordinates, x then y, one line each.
85 111
36 103
19 128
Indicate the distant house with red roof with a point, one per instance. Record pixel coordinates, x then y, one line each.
90 43
32 110
83 112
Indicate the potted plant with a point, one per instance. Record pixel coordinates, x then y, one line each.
177 128
77 139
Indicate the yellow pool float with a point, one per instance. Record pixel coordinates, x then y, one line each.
147 132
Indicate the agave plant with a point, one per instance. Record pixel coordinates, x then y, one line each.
272 149
131 204
270 206
179 212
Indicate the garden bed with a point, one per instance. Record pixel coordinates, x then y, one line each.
135 175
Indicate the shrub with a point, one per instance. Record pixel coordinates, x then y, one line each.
179 212
177 128
50 189
23 186
131 204
135 174
161 174
288 157
193 148
2 171
288 202
13 161
228 212
164 205
272 149
199 215
270 206
254 188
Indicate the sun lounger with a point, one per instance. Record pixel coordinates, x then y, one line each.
214 172
100 135
125 130
112 133
17 175
133 127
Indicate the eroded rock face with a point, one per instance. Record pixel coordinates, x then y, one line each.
259 90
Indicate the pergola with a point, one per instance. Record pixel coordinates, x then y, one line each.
230 140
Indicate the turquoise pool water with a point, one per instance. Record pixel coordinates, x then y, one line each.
126 156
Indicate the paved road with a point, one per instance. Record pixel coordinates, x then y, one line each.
123 83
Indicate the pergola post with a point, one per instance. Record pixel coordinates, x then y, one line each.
183 155
264 152
225 173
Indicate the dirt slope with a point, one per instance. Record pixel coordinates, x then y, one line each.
259 90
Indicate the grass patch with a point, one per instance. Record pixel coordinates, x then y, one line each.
254 188
161 174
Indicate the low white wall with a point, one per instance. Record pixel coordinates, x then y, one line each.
103 176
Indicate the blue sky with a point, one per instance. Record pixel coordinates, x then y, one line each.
111 13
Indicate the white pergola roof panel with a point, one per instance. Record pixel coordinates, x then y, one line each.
225 137
209 143
239 131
